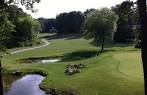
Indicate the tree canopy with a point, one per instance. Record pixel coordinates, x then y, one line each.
99 25
17 27
69 22
88 11
27 29
125 12
29 4
47 24
6 29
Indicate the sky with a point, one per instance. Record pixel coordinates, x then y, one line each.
51 8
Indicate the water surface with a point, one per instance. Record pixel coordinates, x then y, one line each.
27 85
50 60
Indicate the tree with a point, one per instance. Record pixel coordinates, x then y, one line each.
47 24
143 23
17 17
88 11
69 22
27 29
100 25
43 24
136 28
124 30
51 24
2 51
1 82
14 12
29 4
4 26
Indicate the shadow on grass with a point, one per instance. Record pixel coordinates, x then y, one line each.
60 36
112 44
115 44
79 55
73 56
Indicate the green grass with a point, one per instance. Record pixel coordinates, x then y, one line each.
116 72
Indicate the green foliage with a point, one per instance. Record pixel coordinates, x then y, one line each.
99 25
28 29
69 22
88 11
123 10
6 28
28 4
125 22
14 13
17 28
47 24
5 24
2 48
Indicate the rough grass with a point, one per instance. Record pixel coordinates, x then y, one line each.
116 72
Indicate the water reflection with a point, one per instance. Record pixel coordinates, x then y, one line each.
8 80
27 85
51 60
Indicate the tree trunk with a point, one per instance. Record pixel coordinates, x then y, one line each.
143 23
103 41
1 83
2 3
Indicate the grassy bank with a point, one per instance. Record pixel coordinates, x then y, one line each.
118 71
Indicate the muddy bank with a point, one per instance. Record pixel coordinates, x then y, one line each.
58 91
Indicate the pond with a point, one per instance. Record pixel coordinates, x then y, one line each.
47 60
50 60
8 79
27 85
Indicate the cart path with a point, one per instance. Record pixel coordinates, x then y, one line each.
46 43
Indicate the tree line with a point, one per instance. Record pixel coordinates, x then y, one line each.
119 23
73 22
17 28
21 29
